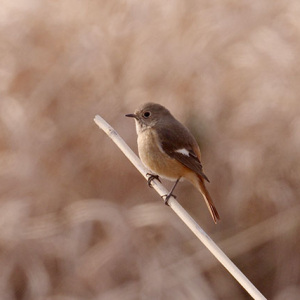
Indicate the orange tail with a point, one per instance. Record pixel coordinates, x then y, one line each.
211 207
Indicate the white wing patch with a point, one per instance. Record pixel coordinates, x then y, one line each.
183 151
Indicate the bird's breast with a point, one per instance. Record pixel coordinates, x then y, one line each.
153 156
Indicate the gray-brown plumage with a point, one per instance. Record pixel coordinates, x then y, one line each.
168 149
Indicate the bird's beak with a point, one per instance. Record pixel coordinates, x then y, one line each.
131 116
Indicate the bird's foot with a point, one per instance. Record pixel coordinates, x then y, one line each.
168 196
152 177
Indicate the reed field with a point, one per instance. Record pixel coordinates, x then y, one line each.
77 220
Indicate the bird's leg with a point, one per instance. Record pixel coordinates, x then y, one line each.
170 193
151 177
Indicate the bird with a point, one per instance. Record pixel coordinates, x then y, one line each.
169 150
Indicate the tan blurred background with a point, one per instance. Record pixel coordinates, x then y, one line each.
77 221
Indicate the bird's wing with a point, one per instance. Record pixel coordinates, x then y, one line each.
183 150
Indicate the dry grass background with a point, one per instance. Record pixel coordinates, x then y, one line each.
76 219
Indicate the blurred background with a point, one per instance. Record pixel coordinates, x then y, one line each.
77 221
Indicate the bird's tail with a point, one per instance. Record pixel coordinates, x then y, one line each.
209 202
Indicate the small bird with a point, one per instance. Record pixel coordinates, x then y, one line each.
169 150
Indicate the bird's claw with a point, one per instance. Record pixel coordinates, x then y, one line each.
168 196
152 177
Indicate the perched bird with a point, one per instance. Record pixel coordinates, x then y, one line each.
169 150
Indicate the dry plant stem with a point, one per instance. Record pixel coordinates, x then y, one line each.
178 209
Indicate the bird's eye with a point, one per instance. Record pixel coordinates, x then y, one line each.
146 114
